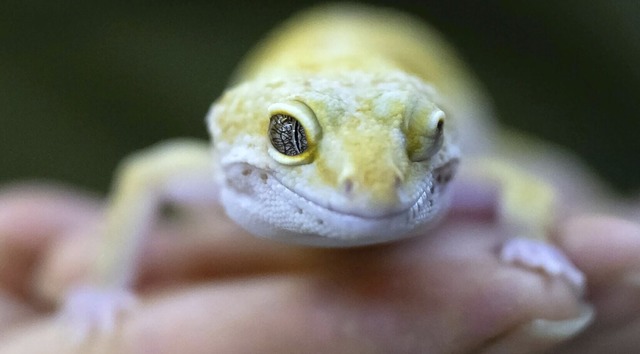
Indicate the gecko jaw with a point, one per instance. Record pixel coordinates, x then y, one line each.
261 204
425 193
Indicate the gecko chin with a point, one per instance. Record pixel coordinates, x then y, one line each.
265 207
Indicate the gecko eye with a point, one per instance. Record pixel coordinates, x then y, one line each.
293 133
287 135
425 136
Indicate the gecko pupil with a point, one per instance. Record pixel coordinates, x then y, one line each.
287 135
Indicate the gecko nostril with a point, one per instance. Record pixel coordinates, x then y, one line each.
347 184
397 182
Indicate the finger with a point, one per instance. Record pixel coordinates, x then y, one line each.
440 294
31 218
607 249
202 244
13 312
505 308
272 315
603 247
41 209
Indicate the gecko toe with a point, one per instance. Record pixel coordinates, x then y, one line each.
544 257
89 310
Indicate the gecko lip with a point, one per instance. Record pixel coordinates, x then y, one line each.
388 215
424 192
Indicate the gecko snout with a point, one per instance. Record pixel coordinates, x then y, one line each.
374 190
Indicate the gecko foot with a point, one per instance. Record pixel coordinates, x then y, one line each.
544 257
92 309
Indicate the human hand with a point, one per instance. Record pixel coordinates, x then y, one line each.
207 286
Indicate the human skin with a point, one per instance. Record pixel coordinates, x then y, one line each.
207 286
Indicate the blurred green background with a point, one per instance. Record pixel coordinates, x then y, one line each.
83 83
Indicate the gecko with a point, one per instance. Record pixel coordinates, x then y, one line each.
344 127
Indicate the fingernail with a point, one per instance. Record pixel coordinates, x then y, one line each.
562 329
541 334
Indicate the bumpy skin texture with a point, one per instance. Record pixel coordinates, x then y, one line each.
364 74
360 187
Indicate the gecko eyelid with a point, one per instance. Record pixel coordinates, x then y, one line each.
426 135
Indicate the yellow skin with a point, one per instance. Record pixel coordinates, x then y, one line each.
384 104
357 174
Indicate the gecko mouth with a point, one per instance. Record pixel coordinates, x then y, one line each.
424 198
427 191
258 201
267 182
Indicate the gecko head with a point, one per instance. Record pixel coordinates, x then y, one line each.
333 160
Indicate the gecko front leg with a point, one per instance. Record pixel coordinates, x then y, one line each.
526 206
178 170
